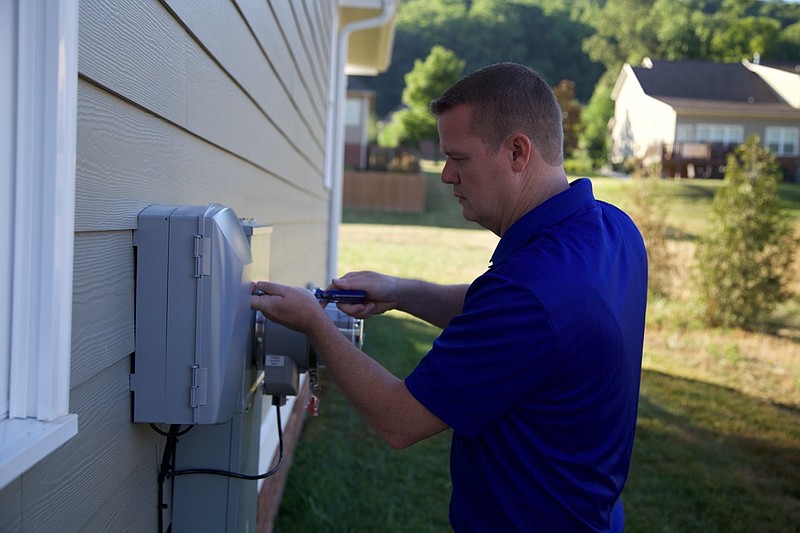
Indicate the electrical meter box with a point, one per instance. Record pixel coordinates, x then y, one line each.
193 316
204 358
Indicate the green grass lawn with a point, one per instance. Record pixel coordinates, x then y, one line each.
718 434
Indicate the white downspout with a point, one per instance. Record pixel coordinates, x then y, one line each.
334 153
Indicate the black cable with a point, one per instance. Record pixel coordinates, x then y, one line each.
167 468
238 475
167 434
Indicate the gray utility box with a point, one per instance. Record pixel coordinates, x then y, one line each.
193 317
194 360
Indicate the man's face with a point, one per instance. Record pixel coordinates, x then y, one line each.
478 175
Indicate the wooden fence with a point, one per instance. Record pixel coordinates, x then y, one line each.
386 191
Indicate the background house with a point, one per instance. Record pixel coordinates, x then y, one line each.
360 104
687 115
170 102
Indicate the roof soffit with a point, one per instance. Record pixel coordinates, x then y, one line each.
369 51
732 110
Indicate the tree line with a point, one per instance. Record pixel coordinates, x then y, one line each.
578 46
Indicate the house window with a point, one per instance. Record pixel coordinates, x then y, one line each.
352 112
782 141
684 133
720 133
38 97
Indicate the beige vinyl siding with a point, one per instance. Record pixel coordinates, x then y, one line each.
185 102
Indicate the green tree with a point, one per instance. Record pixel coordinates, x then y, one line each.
718 30
392 134
681 28
487 31
623 33
427 80
746 36
571 114
744 259
594 140
790 41
420 25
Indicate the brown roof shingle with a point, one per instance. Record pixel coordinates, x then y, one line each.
702 80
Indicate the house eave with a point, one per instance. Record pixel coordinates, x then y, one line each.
370 50
625 73
733 110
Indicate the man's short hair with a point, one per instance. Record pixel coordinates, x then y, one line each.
508 98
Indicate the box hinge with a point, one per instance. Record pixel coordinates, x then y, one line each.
198 391
202 256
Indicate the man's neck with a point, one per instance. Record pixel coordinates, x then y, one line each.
536 190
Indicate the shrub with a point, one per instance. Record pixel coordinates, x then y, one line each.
744 259
649 211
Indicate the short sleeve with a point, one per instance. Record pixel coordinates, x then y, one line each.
491 356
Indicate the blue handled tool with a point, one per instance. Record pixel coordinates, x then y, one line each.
341 296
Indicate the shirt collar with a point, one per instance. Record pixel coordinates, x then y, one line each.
549 212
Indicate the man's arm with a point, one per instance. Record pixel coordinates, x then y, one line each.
436 304
380 397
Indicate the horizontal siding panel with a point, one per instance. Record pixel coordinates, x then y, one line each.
318 13
137 49
128 159
211 105
317 71
94 470
11 507
102 303
132 506
221 113
285 17
267 32
271 36
230 42
320 44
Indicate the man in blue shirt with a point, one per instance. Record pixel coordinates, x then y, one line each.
538 365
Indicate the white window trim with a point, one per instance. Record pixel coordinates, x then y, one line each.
43 181
684 132
781 132
732 133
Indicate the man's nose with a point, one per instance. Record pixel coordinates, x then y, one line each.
449 175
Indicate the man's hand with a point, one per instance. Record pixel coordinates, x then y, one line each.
382 293
292 307
436 304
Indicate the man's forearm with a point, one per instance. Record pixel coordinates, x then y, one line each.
380 397
433 303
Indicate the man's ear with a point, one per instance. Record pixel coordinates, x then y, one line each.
521 149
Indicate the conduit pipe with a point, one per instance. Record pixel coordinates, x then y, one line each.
334 171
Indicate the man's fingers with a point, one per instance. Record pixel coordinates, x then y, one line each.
340 283
359 310
268 287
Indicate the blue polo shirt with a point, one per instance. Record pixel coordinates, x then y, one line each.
539 374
